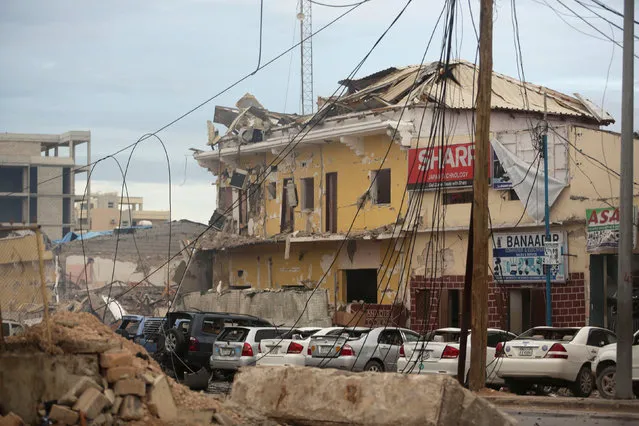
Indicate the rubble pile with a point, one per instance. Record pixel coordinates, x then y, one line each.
129 385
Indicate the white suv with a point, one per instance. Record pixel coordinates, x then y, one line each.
556 356
604 368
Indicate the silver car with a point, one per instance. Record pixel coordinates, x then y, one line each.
237 347
359 349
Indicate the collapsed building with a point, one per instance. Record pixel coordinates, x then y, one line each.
324 200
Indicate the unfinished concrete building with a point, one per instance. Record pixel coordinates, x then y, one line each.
37 179
102 212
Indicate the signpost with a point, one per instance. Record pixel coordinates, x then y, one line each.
432 168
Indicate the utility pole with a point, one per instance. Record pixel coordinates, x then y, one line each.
479 322
544 142
306 56
466 307
623 377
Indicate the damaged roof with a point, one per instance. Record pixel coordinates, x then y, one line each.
393 87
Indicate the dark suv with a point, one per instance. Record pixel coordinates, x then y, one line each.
142 330
188 337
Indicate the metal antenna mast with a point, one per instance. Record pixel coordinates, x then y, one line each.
306 56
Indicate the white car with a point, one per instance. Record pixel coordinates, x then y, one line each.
289 351
439 353
555 356
604 367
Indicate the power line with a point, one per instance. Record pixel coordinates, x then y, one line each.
609 9
198 106
600 16
592 26
338 5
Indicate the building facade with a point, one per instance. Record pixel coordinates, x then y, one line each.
37 179
102 212
372 201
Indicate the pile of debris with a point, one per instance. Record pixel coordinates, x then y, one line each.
125 385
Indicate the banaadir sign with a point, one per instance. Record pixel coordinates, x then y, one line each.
435 167
519 257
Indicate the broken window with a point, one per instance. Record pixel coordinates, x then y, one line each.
331 202
361 285
243 209
110 204
464 197
381 187
271 190
288 212
239 178
308 194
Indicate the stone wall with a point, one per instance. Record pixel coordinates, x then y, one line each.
279 307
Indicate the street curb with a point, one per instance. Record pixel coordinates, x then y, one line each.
560 403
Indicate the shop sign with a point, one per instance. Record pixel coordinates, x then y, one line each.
520 257
602 229
448 167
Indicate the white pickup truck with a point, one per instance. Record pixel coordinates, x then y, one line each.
604 367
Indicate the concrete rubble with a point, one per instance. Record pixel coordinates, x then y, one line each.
325 396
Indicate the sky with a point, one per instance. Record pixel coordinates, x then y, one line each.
122 69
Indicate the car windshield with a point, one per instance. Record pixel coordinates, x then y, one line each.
564 334
131 326
443 336
233 334
352 334
411 337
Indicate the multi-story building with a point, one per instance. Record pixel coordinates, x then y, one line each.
102 212
370 199
37 179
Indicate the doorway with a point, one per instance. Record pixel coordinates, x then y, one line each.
450 304
527 309
361 285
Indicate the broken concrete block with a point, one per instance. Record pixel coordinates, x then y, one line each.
71 397
11 419
91 403
116 373
148 378
282 393
101 420
63 415
110 395
130 387
223 419
161 398
116 358
131 408
115 408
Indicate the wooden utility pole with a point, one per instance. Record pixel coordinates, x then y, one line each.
479 323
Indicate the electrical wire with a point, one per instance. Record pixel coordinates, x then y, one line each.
338 5
198 106
609 9
259 54
592 26
602 17
561 15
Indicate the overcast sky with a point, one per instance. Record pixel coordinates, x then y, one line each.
123 68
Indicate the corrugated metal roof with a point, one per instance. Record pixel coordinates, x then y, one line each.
461 87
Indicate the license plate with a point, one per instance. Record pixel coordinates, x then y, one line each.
425 355
226 351
273 350
525 352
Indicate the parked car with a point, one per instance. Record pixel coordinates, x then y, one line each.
552 356
187 337
11 328
289 351
440 353
145 331
604 367
358 349
238 347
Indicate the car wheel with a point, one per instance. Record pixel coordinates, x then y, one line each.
606 382
583 385
517 387
174 341
374 366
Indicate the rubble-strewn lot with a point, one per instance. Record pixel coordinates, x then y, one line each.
122 383
91 376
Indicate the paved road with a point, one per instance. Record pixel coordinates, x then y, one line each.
571 418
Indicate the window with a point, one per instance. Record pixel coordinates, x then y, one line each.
411 337
381 188
390 337
599 338
271 190
33 180
287 223
212 326
110 204
268 334
11 179
465 197
233 335
331 202
500 178
66 180
495 337
512 195
308 194
423 304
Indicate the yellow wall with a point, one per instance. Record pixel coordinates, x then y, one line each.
353 180
308 264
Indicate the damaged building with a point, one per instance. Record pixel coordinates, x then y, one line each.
295 209
147 263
